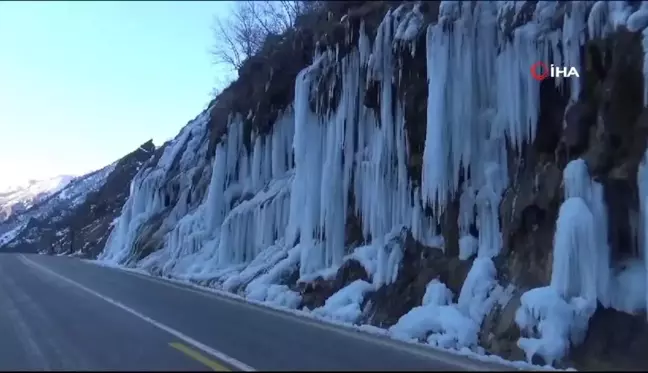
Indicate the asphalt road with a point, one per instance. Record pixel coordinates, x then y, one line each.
59 313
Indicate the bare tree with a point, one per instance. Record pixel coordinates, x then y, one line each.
242 33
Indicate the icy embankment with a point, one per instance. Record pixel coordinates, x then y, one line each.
270 210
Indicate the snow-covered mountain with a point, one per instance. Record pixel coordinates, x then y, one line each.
20 197
80 203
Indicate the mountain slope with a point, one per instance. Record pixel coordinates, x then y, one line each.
18 198
88 202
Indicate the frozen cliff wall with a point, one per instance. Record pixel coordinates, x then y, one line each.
410 144
168 187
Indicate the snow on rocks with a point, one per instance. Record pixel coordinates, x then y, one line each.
448 325
552 323
345 304
557 316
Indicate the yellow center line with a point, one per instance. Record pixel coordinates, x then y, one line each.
214 365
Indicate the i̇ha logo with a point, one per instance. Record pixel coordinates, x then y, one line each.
540 72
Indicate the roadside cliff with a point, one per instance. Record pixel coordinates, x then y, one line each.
396 164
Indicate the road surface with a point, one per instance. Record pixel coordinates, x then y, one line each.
59 313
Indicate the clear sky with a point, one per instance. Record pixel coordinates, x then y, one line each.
84 83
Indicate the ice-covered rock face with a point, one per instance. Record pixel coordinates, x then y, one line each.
162 186
313 161
276 205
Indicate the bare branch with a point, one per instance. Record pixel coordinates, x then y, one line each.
242 33
227 49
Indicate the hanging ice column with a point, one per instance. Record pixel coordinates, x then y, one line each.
253 224
327 162
146 198
193 232
642 180
462 130
304 201
488 200
216 207
458 124
324 150
518 93
381 174
382 188
578 184
574 270
556 317
573 37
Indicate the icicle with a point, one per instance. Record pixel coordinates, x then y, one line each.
146 199
215 203
257 159
642 180
605 17
304 203
578 184
381 172
424 227
458 129
574 26
574 268
518 94
644 44
466 209
577 180
255 224
436 156
490 238
602 253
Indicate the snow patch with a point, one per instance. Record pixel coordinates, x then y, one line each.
345 304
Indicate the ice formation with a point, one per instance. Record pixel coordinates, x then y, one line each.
558 322
557 316
574 268
150 194
345 304
595 254
289 187
442 323
628 287
265 207
353 151
642 181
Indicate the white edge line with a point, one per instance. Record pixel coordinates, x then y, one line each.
217 354
458 360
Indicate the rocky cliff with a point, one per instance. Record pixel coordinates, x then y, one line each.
396 164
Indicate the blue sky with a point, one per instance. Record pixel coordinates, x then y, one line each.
84 83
